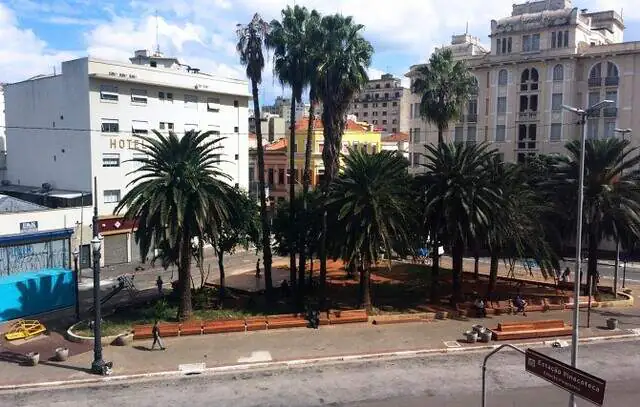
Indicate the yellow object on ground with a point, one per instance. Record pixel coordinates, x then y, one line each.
25 329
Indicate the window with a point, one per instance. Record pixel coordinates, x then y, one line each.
270 176
374 113
530 42
555 134
190 127
387 85
535 42
394 104
110 126
553 39
503 77
281 176
509 45
526 43
458 134
375 122
504 46
394 129
191 101
384 122
366 105
472 107
365 114
471 135
153 64
377 95
139 96
565 41
213 105
596 71
502 105
612 70
377 86
558 73
592 129
169 97
501 133
166 126
109 92
613 96
394 121
374 105
110 159
556 102
594 97
139 127
384 104
609 127
386 96
236 129
111 195
416 135
397 94
384 113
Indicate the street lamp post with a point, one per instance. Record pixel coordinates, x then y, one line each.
624 132
98 366
583 114
76 281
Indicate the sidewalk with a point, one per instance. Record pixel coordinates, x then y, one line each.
290 344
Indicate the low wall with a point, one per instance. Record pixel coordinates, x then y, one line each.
26 294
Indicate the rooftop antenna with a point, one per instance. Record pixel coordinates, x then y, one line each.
466 30
157 36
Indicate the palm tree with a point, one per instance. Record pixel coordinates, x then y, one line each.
342 74
517 225
176 193
314 40
611 192
458 201
371 197
251 38
289 40
445 86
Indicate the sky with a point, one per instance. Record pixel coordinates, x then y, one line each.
37 35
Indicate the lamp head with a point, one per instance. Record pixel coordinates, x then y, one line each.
96 243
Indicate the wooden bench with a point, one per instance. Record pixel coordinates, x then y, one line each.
286 321
224 326
348 317
258 323
191 328
142 332
532 329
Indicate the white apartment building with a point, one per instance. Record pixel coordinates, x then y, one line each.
383 103
65 129
545 55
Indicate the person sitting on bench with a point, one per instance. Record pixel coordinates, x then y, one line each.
481 310
520 305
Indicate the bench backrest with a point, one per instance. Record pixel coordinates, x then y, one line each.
549 324
515 326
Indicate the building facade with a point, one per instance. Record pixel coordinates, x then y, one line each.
383 103
545 55
66 129
3 140
82 123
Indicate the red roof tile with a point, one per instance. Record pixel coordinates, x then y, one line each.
303 124
280 144
396 137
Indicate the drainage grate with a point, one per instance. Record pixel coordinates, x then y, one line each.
452 344
192 368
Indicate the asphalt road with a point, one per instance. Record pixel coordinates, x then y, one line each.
440 380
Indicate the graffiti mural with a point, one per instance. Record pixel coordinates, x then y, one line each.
34 256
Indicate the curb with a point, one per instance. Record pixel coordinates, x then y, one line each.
293 363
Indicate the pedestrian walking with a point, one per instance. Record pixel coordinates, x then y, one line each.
159 284
157 339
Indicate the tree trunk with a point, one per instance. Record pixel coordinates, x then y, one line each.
264 218
493 274
435 274
185 308
292 194
592 264
223 284
365 285
476 263
440 135
457 255
310 272
306 181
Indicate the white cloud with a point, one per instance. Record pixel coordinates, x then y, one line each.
22 53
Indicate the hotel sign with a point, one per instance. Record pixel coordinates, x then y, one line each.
569 378
117 143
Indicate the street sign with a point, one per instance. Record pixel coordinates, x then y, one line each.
569 378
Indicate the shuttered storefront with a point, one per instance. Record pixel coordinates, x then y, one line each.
135 250
116 249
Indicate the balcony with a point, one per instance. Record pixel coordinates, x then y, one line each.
610 112
527 116
595 82
471 118
611 81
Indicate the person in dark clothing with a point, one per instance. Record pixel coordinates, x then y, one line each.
520 305
258 269
284 288
313 316
481 310
566 274
155 331
159 284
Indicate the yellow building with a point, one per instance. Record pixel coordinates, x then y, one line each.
356 135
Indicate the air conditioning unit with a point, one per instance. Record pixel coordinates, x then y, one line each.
46 186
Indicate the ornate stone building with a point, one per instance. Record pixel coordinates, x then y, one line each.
545 55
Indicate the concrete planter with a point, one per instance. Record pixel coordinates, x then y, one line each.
472 336
62 354
612 323
479 329
486 336
105 340
34 358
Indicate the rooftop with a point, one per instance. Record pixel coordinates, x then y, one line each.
9 204
396 138
303 124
